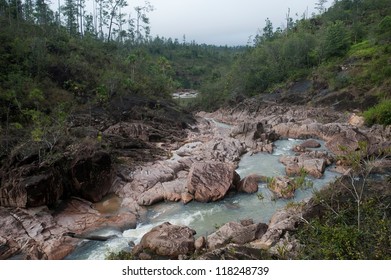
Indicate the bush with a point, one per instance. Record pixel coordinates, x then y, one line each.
337 240
379 114
365 50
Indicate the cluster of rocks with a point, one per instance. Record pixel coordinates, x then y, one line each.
173 242
233 240
41 233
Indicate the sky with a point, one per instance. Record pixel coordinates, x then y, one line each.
220 22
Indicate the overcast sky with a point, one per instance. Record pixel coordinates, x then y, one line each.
220 22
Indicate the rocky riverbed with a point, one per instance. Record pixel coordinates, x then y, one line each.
197 164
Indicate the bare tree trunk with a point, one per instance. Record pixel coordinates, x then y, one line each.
94 16
101 19
112 18
59 13
287 21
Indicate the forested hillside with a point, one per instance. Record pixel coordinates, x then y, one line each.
55 63
344 51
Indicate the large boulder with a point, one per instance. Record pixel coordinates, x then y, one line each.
148 177
250 183
313 163
348 140
309 144
234 232
314 167
167 191
224 150
167 240
210 181
84 171
31 186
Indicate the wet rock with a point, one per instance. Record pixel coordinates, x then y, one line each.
167 240
144 256
312 167
186 197
250 183
298 130
247 222
210 181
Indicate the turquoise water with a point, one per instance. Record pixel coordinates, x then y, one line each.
205 217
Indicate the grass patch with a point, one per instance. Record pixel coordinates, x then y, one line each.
379 114
363 50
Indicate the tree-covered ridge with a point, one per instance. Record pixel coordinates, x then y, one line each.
352 35
106 21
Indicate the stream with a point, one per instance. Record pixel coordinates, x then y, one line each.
206 217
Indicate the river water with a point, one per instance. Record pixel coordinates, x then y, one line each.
206 217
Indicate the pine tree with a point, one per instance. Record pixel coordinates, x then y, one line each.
28 9
337 39
320 6
42 14
115 16
70 12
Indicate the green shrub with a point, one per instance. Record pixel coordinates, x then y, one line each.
337 237
364 49
379 114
